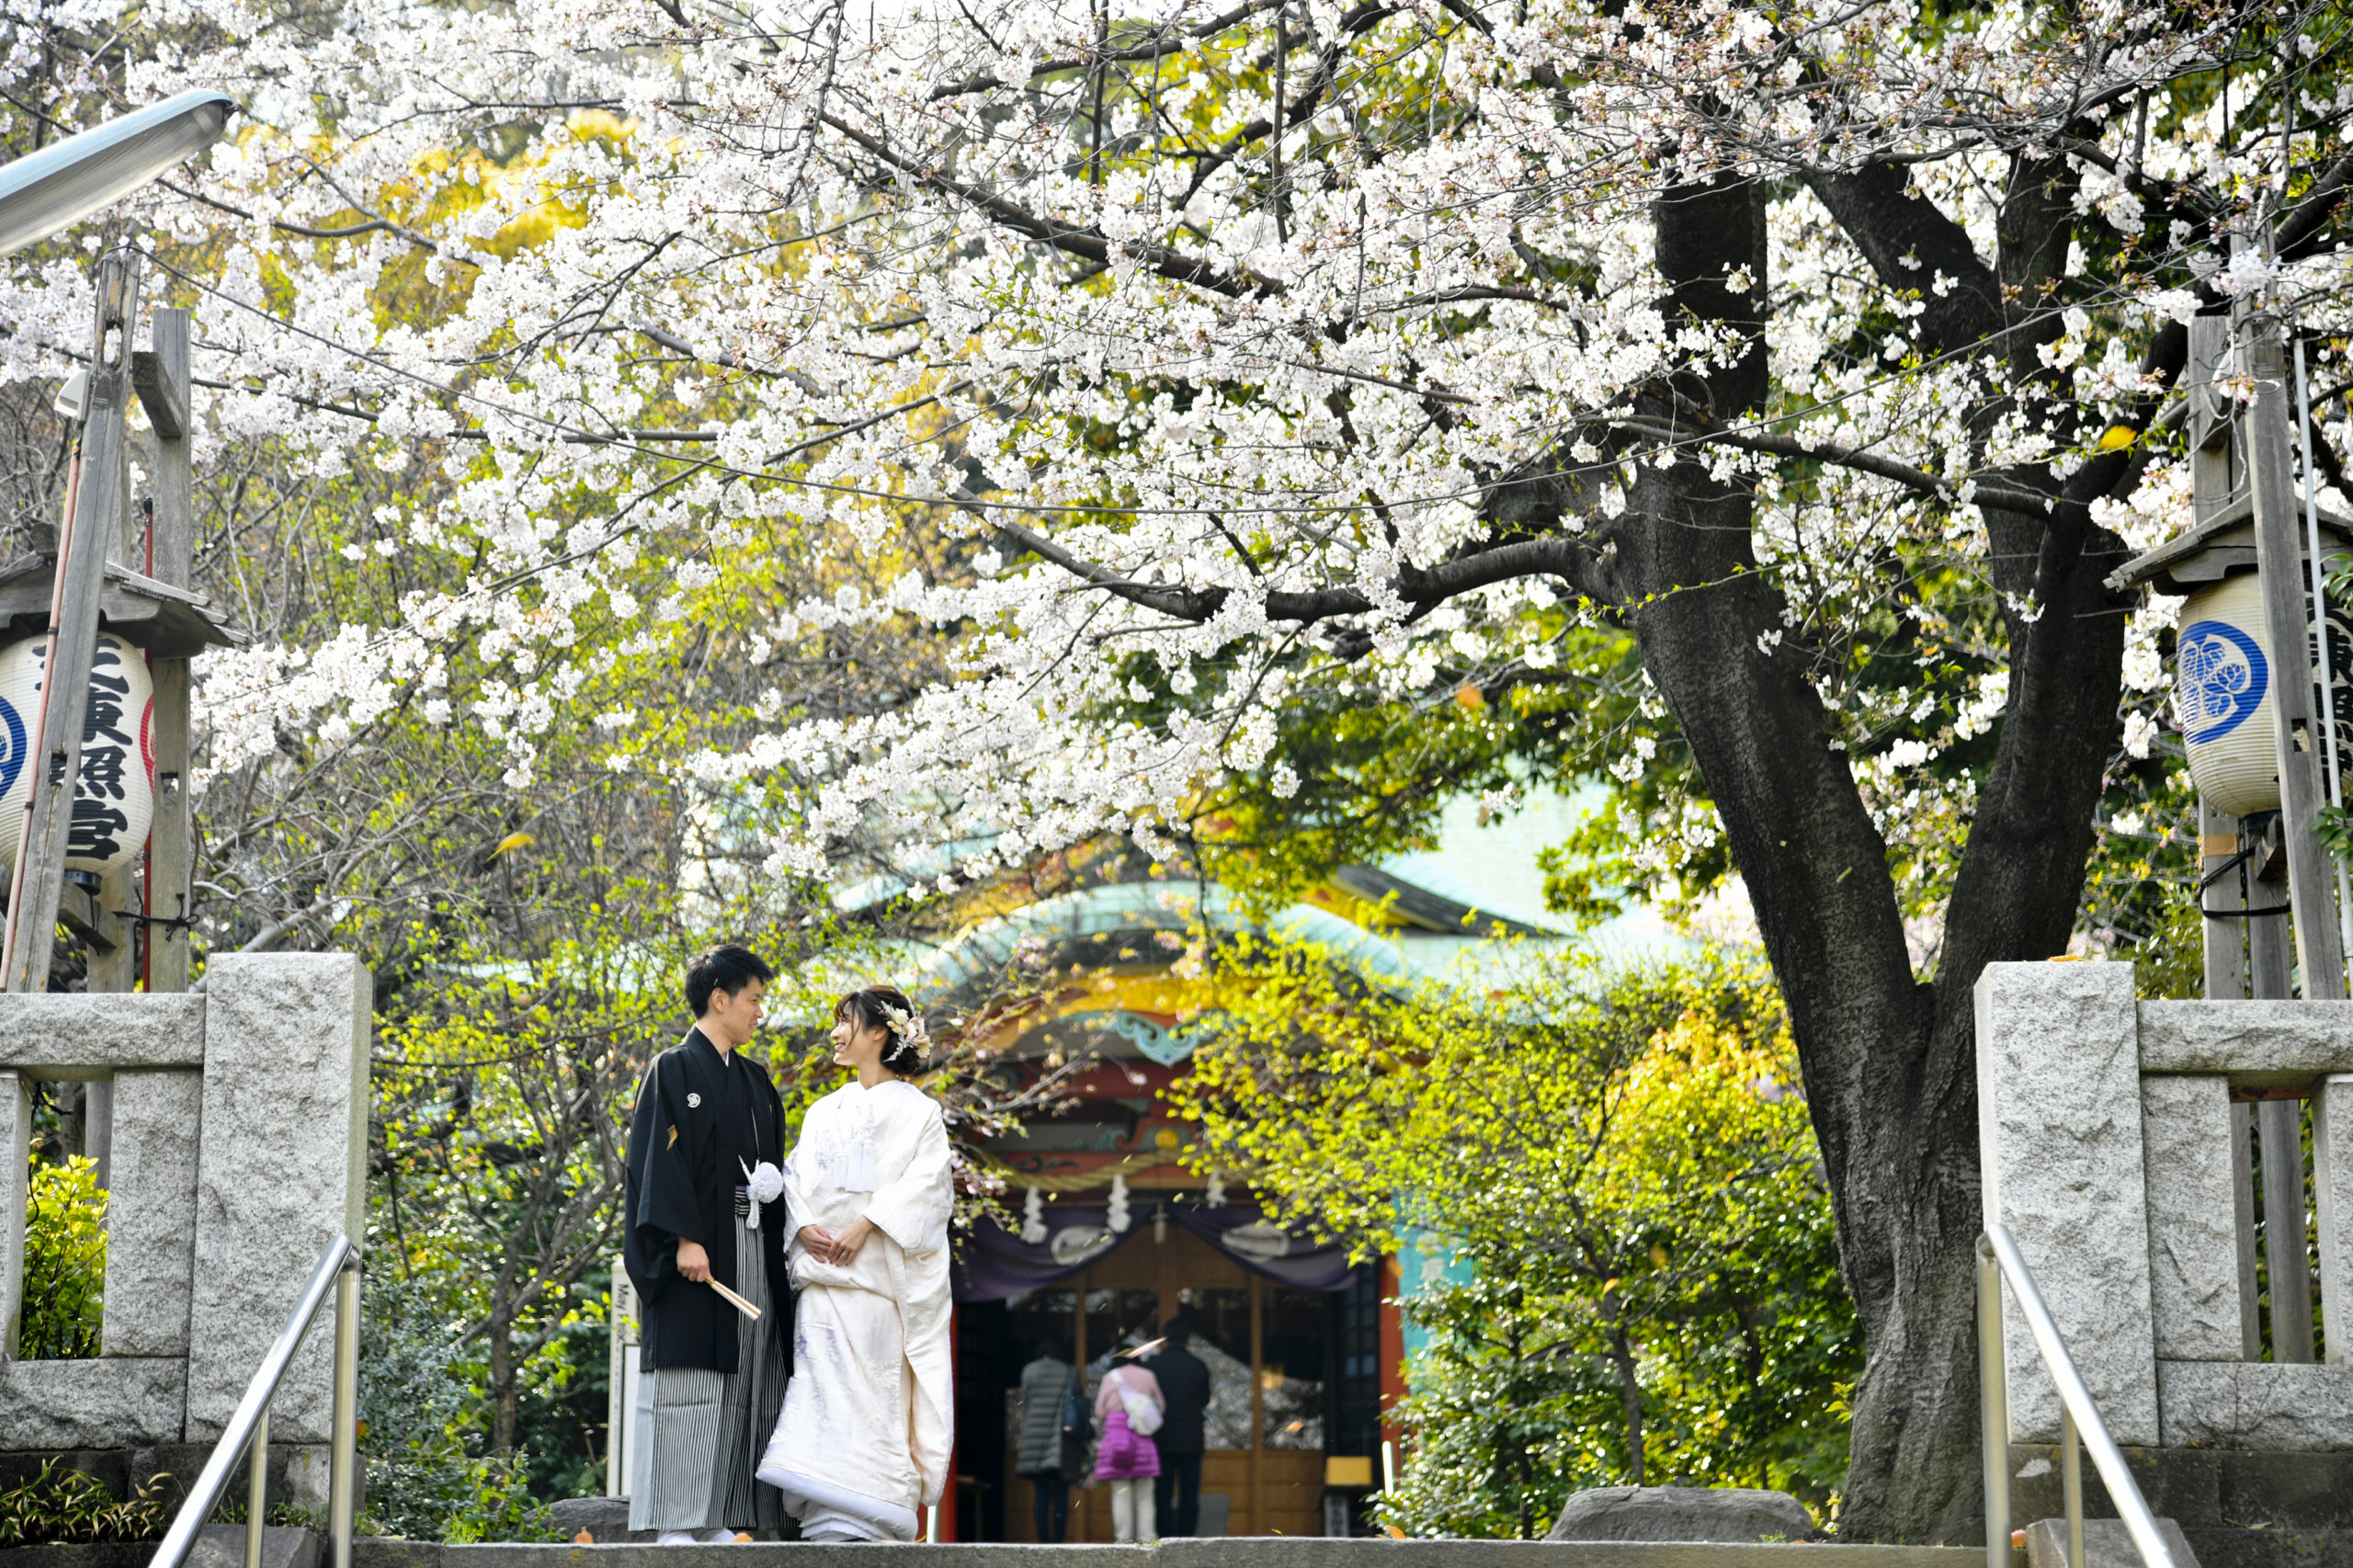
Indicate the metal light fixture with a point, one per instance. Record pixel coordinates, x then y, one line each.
70 179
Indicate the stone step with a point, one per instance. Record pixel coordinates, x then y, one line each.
1233 1551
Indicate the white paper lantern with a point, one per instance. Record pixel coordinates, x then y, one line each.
2224 683
114 799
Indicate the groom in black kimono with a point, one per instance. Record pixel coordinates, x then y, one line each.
705 1204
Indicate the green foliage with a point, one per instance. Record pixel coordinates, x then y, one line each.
63 1506
65 1263
424 1482
1625 1163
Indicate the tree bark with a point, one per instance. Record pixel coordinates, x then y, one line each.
1629 1386
1889 1061
504 1416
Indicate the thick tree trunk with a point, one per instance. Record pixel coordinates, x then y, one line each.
1889 1061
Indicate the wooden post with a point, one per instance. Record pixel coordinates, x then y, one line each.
2287 614
2278 1129
82 546
114 951
1257 1410
164 389
2215 475
2213 486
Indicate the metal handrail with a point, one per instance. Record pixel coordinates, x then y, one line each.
248 1429
1999 1259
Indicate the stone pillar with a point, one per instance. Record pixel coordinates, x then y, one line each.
16 1170
2193 1219
2332 1193
2059 1138
285 1117
151 1215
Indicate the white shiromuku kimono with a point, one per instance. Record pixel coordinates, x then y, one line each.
863 1445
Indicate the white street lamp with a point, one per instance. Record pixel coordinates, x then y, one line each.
70 179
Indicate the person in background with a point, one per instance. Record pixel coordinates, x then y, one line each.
1185 1395
1129 1405
1049 1458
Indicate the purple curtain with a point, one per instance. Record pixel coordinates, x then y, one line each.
993 1263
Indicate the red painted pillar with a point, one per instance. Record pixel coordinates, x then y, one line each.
953 1497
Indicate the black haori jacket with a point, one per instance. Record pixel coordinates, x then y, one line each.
698 1114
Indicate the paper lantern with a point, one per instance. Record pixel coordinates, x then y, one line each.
114 799
2225 682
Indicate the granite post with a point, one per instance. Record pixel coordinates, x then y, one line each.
15 1175
285 1118
151 1215
2333 1206
2059 1128
2193 1219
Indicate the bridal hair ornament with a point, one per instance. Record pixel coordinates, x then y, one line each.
907 1027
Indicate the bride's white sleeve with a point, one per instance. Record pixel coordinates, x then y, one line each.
803 1171
913 1207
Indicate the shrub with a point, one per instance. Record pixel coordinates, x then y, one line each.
71 1507
65 1263
423 1483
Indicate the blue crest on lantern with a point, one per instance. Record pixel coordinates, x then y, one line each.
2223 677
12 745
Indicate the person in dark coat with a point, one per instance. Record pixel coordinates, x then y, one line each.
1185 1382
704 1209
1050 1456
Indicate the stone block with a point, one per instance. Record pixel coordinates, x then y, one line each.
17 1144
1681 1513
107 1554
2307 1491
2333 1208
2107 1544
2234 1548
2193 1218
2058 1142
103 1403
605 1520
2256 1404
285 1114
151 1211
2257 1044
2176 1484
223 1546
92 1034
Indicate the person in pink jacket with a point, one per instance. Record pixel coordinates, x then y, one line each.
1129 1405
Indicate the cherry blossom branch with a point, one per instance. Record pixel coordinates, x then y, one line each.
1161 260
1157 49
1975 492
373 225
1557 555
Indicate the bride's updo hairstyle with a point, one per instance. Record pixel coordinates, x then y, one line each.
886 1008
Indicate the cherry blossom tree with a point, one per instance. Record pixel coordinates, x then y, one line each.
1219 422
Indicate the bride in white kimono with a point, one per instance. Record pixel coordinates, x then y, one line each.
863 1445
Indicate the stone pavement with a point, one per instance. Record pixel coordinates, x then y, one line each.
1234 1551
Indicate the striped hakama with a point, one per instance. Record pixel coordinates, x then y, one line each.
699 1433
